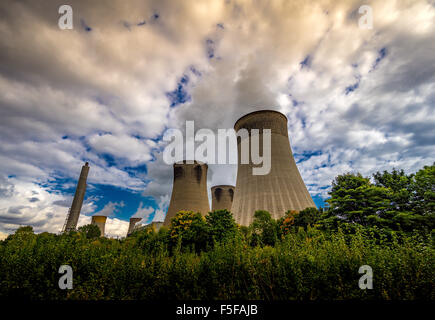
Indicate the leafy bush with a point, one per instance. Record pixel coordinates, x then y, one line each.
308 264
190 230
221 225
91 231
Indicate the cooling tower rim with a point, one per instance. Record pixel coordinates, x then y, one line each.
135 219
259 112
98 215
222 185
195 162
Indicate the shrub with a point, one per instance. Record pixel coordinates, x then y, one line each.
190 230
90 231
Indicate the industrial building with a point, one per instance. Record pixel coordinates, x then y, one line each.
100 222
278 191
76 206
222 197
282 188
132 224
189 189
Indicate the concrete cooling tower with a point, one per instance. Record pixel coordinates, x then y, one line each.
100 222
222 197
132 224
282 188
76 206
189 189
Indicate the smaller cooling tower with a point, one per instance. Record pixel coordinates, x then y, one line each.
133 222
189 189
222 197
157 225
100 221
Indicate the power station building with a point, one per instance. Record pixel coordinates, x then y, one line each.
76 206
100 222
282 188
222 197
132 224
189 189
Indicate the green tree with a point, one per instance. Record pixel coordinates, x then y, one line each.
25 229
190 230
423 189
91 231
286 223
221 225
264 228
400 185
307 217
355 199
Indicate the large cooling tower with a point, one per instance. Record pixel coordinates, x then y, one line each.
74 212
100 221
282 188
222 197
189 190
132 224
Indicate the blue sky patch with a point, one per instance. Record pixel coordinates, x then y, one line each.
351 88
180 94
114 194
300 157
381 55
306 63
85 26
210 48
318 201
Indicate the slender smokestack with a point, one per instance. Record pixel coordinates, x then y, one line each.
74 213
133 222
282 188
222 197
100 222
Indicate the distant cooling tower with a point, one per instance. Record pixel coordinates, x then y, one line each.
157 225
222 197
189 190
132 224
100 221
74 212
282 188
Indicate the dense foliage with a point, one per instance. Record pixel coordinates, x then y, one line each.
386 222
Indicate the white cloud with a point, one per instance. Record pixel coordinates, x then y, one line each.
109 209
143 212
134 150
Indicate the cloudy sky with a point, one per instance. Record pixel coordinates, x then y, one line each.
106 91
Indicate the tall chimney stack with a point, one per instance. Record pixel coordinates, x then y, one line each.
74 212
